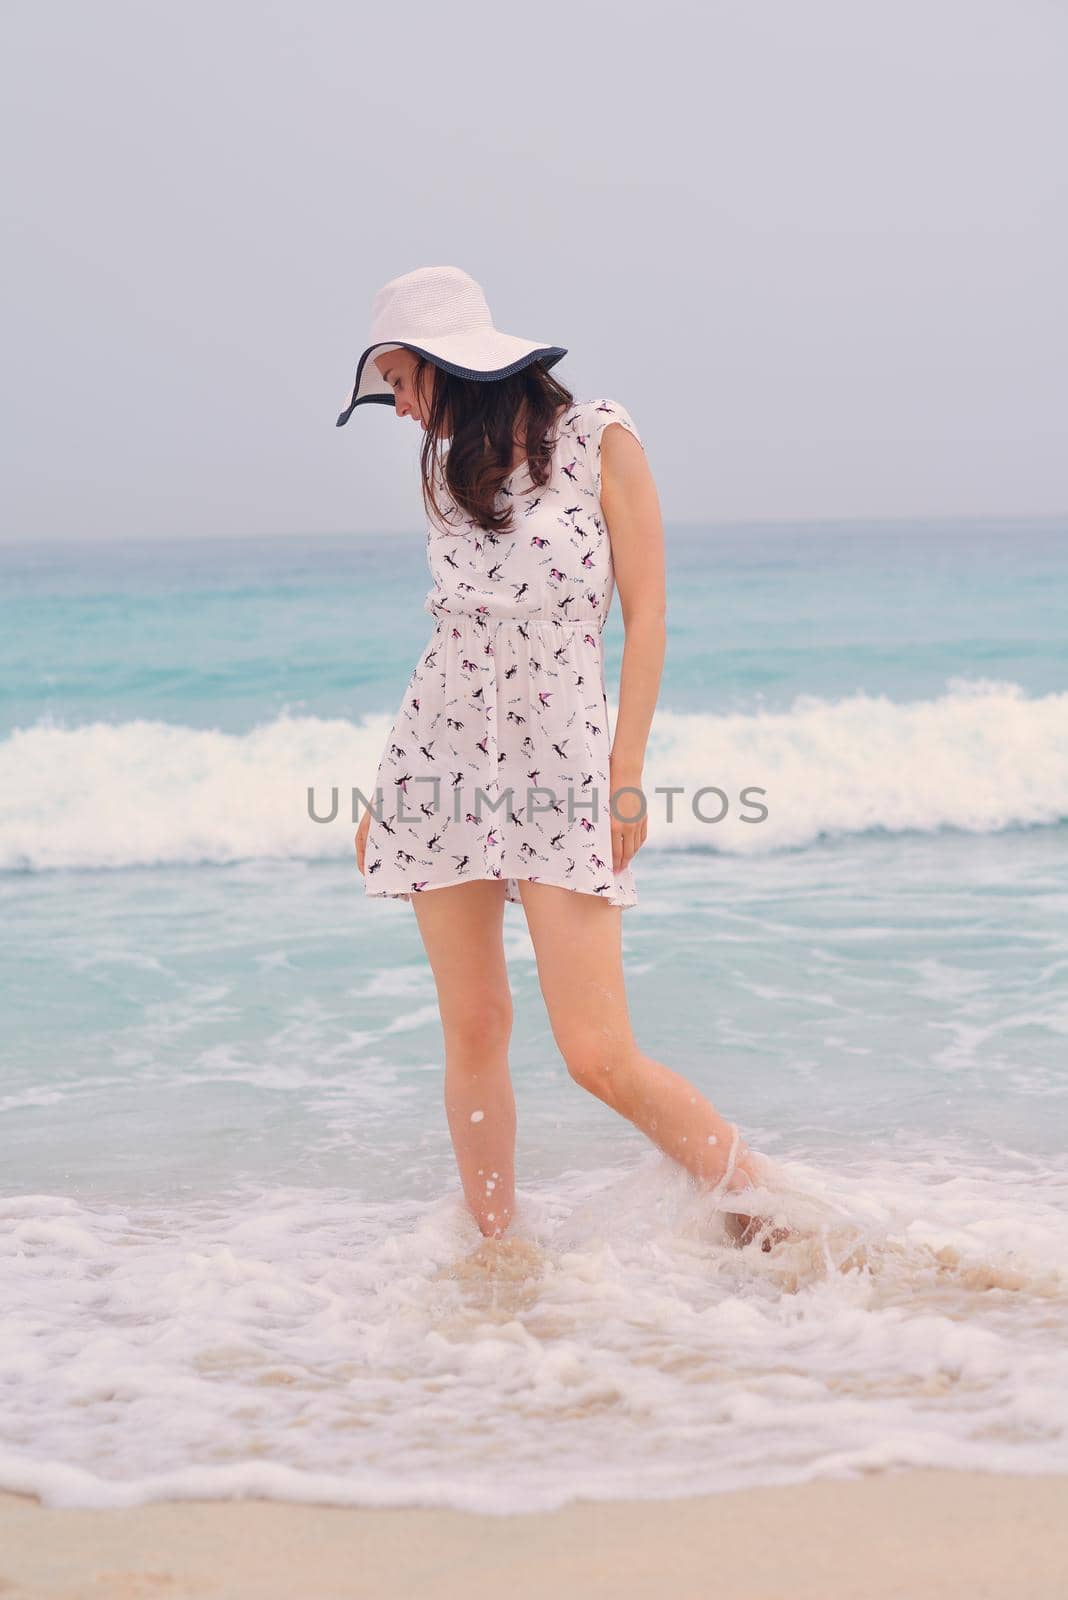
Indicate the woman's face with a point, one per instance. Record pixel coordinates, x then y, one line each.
397 367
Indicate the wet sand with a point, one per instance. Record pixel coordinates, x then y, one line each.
913 1535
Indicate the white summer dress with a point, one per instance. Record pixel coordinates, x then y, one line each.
497 764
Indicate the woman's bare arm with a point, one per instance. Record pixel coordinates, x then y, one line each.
631 510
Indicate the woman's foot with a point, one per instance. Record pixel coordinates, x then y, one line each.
742 1230
745 1170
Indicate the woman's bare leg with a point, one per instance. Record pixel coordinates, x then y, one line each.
461 928
577 941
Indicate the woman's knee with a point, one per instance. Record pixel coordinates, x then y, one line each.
478 1028
597 1064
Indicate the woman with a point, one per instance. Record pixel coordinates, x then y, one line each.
498 781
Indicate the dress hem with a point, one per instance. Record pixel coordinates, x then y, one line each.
489 877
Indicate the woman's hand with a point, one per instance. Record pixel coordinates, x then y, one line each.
628 836
361 839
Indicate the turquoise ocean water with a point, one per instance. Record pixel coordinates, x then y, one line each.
233 1254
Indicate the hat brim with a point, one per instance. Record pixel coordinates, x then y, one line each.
370 388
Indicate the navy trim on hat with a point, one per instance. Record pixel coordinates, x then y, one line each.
549 356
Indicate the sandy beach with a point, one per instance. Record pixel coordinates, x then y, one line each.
912 1535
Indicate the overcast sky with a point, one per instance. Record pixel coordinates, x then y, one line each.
818 250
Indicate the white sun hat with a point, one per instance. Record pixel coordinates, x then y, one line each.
441 313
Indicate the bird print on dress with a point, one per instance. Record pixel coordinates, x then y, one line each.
497 764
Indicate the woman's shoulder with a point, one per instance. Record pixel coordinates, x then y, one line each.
587 422
595 416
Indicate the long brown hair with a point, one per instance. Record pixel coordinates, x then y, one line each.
479 417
